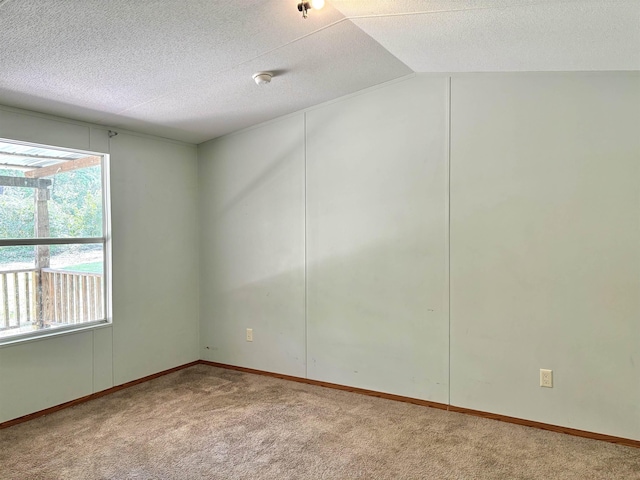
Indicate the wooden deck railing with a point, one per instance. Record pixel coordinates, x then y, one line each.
49 297
71 297
17 298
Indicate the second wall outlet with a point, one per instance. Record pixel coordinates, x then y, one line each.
249 334
546 378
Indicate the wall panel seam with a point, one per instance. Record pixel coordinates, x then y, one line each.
449 237
306 348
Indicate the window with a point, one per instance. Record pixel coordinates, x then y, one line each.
54 240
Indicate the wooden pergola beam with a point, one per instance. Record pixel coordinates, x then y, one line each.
64 167
24 182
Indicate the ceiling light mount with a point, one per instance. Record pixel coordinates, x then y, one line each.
304 7
262 78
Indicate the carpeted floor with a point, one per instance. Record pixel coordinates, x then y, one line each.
208 423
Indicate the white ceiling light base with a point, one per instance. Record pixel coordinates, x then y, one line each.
262 78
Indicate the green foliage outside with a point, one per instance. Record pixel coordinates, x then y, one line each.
75 210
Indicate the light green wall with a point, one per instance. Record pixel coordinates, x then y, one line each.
155 256
377 309
539 221
252 248
336 233
155 272
545 247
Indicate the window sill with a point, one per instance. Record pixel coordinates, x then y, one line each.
57 332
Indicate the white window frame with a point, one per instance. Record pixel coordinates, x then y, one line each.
104 240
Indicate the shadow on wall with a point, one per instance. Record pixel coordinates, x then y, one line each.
257 185
374 320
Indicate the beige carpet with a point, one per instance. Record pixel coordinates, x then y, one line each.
209 423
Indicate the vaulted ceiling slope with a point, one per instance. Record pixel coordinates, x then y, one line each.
182 69
503 35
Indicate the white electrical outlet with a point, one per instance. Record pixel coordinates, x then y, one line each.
546 378
249 334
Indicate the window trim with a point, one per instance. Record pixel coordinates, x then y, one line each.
21 242
104 240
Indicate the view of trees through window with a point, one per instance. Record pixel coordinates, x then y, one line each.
52 243
75 210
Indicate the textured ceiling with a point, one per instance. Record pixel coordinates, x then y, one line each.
182 68
331 63
503 35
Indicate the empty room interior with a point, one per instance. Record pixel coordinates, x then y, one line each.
365 239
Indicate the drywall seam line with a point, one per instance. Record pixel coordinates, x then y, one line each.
455 10
312 108
306 346
449 232
110 266
95 126
199 250
337 22
228 69
93 361
113 378
330 25
411 14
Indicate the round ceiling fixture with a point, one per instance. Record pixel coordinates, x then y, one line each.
262 78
